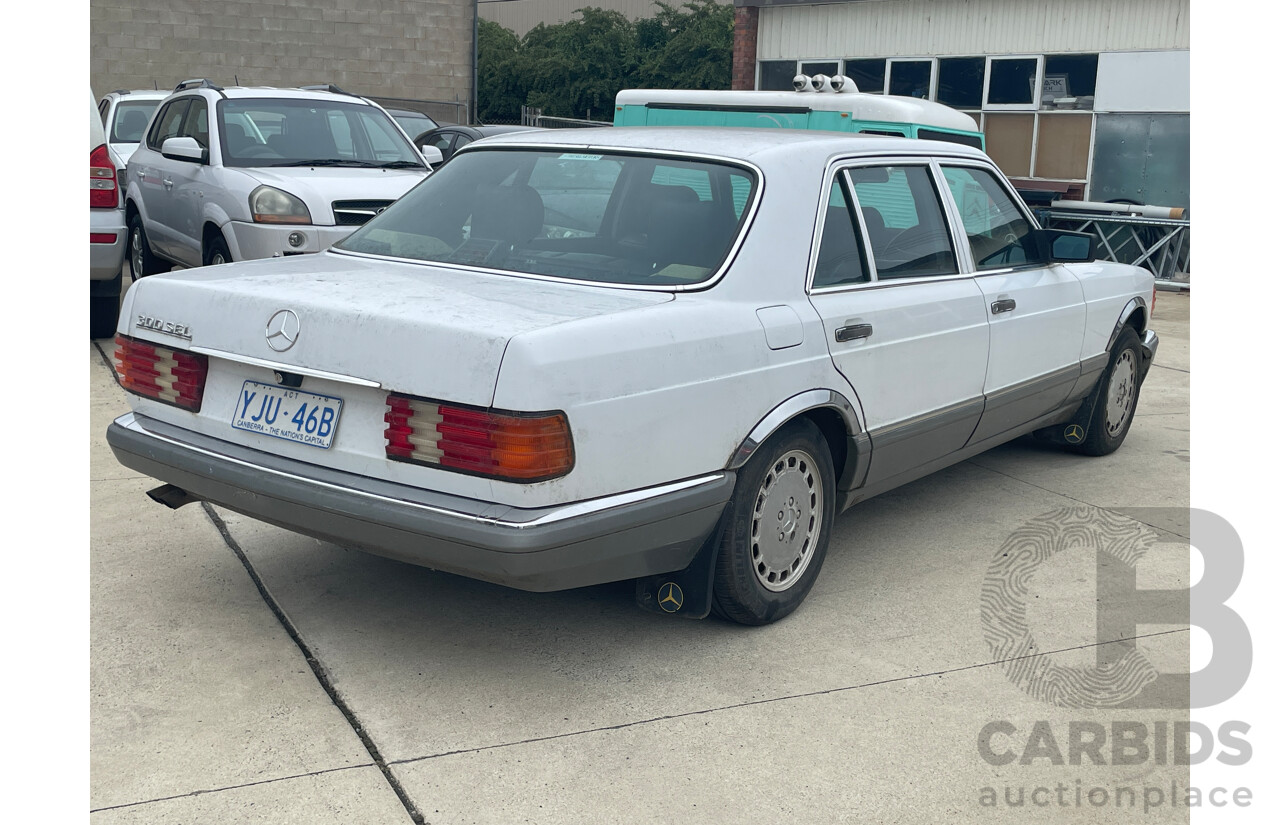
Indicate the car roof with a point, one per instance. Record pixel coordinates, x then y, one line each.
235 92
735 142
140 94
503 130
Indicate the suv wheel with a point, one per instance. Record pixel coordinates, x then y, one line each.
142 262
217 252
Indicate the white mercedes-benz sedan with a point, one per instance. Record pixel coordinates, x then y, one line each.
668 355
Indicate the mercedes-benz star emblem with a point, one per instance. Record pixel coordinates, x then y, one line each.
670 597
282 330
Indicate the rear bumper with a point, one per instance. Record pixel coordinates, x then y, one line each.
251 241
106 259
626 536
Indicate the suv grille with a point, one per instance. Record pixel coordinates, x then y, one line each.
356 213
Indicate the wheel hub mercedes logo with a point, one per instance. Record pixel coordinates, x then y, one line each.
282 330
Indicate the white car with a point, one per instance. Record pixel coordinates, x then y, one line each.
106 231
125 115
670 355
242 173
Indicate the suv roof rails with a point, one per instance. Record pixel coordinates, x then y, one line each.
196 83
328 87
120 92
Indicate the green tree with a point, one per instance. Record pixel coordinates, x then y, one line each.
695 50
500 77
577 68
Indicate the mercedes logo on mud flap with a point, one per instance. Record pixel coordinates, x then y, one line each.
670 597
282 330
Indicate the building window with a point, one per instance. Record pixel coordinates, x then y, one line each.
826 67
1069 81
960 81
868 75
1011 82
911 78
776 75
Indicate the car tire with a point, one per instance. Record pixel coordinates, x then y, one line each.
104 310
777 529
1116 398
217 252
142 261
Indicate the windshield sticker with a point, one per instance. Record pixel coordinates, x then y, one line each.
572 156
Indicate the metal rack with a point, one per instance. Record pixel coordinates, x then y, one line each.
1160 244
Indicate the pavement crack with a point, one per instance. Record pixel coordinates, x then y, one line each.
204 791
772 699
1174 369
1120 513
317 667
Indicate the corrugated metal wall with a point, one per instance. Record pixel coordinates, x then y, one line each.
522 15
914 28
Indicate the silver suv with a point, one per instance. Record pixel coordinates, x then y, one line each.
241 173
125 115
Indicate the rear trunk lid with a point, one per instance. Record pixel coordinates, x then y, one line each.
407 327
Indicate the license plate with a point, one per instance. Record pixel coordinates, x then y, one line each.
293 415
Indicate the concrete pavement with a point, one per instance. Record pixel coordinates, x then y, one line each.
241 673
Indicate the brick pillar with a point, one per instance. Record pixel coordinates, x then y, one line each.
746 24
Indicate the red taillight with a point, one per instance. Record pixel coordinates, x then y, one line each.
102 237
103 191
167 375
512 446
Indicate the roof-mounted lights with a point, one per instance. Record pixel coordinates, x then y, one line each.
822 83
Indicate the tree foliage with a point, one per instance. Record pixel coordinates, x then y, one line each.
578 67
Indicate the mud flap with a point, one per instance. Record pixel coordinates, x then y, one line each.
685 593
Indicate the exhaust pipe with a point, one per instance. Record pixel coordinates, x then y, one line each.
171 497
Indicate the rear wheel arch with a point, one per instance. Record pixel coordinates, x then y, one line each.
834 416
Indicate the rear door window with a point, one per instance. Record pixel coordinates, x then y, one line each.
904 220
841 259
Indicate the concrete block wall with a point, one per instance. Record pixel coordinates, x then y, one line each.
419 49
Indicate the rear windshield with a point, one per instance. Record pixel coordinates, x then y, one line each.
132 117
600 217
292 132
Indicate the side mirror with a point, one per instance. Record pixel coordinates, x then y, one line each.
432 155
184 148
1061 246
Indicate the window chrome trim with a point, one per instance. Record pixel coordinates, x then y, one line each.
748 218
841 166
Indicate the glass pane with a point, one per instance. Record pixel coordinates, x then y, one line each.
776 75
827 67
960 81
840 256
197 123
1012 81
1070 76
867 74
910 78
297 132
168 125
904 221
998 233
541 212
131 120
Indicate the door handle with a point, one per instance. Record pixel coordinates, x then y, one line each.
1003 305
168 184
853 333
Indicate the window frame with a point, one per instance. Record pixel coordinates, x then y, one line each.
1034 105
933 74
154 132
957 218
840 166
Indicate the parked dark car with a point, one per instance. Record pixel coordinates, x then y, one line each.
413 122
449 139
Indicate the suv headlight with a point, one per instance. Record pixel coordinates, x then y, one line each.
268 204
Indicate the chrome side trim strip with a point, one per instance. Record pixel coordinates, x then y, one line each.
276 365
129 421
